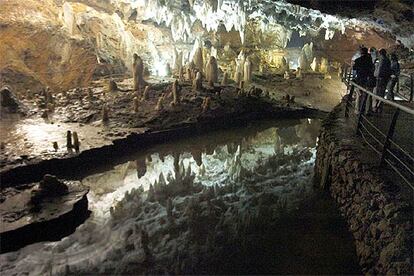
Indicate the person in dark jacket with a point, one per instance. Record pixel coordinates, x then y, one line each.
364 70
395 74
382 73
363 67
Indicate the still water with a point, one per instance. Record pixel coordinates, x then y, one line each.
235 201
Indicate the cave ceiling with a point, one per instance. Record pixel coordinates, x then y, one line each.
108 32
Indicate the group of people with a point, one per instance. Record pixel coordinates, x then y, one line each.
374 70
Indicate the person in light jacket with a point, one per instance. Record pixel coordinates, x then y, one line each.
395 74
382 73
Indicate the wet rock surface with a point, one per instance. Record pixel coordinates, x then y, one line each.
378 211
41 211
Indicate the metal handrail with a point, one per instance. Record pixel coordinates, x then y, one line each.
394 104
404 166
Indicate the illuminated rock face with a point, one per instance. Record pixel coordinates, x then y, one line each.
100 37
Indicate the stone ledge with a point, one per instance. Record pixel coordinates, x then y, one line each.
377 214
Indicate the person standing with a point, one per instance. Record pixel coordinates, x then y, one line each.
374 54
395 74
363 68
382 73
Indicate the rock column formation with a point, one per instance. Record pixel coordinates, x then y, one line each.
138 72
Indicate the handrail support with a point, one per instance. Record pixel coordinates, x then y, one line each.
390 134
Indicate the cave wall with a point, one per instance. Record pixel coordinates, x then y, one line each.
378 217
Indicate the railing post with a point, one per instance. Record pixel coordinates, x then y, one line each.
398 88
412 86
389 136
349 100
361 111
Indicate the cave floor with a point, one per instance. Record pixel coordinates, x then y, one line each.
28 140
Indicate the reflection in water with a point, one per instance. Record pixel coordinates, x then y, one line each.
179 207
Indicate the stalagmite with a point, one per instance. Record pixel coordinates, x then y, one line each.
169 208
181 74
303 62
29 95
76 141
198 59
285 65
105 113
189 76
190 71
324 66
145 95
160 102
241 85
198 82
136 104
286 76
168 69
175 92
178 59
69 144
307 50
112 86
315 65
237 79
299 73
247 71
145 242
90 93
212 71
206 104
238 72
225 78
138 72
